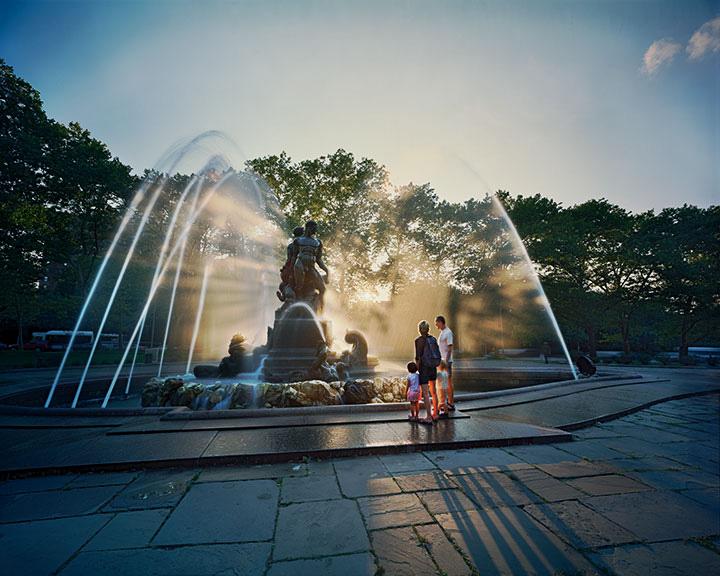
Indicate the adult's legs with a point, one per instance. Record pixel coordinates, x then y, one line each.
450 390
426 400
433 391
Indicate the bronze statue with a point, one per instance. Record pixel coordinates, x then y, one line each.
286 290
307 251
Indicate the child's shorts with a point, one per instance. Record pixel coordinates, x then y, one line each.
413 395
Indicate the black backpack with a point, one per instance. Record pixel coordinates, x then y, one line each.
431 352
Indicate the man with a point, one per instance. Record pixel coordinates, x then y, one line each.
308 251
445 341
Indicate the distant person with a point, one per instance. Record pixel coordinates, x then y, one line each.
546 351
442 388
412 391
427 357
445 341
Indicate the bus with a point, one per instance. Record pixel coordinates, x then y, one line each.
59 339
109 341
38 342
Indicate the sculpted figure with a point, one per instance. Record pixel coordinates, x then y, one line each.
308 252
286 289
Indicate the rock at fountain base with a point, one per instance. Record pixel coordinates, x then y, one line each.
297 394
176 392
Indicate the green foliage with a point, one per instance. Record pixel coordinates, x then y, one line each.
644 282
61 194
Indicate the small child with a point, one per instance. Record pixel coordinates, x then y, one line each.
412 391
442 385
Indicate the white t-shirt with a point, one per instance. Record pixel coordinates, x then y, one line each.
445 340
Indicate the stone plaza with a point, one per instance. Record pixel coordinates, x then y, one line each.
632 494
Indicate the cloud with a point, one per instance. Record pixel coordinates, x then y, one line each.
705 39
661 52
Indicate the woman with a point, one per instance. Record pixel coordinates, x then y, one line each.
425 345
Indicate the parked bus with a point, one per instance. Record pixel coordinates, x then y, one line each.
109 341
59 339
38 342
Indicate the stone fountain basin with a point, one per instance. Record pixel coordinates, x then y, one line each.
468 382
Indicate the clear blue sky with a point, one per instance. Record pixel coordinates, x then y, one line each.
573 100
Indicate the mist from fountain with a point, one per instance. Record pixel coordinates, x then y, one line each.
198 314
237 285
517 241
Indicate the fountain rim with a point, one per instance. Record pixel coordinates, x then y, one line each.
184 413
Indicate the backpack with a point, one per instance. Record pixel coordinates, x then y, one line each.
431 352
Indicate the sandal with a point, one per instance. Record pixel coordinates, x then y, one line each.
451 407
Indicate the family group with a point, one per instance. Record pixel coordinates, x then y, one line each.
430 374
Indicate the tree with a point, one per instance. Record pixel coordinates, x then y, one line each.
689 270
61 193
344 195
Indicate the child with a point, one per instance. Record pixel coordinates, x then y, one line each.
442 385
412 391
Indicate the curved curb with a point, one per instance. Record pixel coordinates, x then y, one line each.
615 415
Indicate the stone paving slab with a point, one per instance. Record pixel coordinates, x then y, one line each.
399 553
364 477
103 479
410 462
579 525
577 469
495 490
128 530
421 481
547 487
348 565
709 497
508 541
607 484
391 511
153 489
659 559
309 488
327 529
41 547
447 501
253 472
241 511
35 484
676 479
55 504
448 560
657 515
474 460
245 559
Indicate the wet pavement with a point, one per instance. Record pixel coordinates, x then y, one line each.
634 495
98 440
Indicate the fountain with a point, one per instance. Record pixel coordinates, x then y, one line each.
197 259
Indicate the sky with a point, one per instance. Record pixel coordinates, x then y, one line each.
573 100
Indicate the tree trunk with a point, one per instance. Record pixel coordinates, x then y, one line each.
684 343
592 340
625 332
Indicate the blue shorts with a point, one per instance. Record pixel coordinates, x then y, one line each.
427 374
